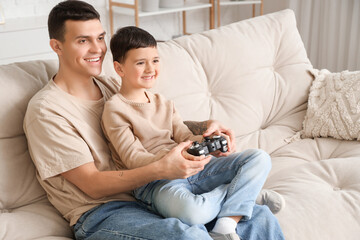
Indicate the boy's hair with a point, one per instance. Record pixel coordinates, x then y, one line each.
69 10
128 38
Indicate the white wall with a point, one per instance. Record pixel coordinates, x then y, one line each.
27 8
24 35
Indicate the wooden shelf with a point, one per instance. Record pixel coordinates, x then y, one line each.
221 3
245 2
185 7
134 10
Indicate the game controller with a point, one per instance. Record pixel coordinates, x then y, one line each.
208 146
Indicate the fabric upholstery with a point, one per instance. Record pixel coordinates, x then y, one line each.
254 77
23 202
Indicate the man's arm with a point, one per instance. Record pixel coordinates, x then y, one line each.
98 184
197 128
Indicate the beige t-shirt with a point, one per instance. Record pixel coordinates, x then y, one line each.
63 133
141 133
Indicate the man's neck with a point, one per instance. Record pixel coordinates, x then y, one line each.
82 87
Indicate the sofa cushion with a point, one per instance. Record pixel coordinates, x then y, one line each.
251 75
23 202
319 180
18 83
334 106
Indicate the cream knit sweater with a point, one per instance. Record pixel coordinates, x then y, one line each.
141 133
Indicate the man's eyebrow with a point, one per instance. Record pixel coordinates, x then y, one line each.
87 36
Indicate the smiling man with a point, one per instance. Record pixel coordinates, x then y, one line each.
72 157
81 52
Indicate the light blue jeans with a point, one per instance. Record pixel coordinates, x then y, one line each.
228 186
131 220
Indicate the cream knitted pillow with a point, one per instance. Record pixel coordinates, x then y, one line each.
333 106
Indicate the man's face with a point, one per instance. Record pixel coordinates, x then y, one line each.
140 68
84 48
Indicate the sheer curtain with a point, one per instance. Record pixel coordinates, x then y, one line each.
330 30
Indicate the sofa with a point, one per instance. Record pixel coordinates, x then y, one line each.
255 77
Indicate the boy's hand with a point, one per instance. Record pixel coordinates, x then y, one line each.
180 164
216 128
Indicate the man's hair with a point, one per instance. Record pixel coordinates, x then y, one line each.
128 38
69 10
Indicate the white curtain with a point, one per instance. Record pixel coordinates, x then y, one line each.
330 30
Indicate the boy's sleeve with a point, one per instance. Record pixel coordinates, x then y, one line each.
118 130
181 132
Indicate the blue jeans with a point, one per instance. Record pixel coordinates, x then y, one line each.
228 186
131 221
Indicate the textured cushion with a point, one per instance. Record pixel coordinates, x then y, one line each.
334 106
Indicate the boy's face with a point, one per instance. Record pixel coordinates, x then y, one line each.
140 68
84 48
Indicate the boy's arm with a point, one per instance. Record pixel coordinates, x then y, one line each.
98 184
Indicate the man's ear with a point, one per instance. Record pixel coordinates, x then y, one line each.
118 68
56 46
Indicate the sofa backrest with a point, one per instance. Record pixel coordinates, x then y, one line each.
251 75
18 83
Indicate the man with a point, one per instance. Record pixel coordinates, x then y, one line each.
73 161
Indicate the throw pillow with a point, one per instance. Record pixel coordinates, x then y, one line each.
333 106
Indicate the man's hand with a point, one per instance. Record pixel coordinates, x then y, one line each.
216 128
179 164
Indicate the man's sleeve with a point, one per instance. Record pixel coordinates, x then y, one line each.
55 146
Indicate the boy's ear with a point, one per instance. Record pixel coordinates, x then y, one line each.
118 68
56 46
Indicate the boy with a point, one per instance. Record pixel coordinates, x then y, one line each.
142 127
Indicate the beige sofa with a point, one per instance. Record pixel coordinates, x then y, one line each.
252 76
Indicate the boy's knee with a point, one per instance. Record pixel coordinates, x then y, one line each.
261 157
190 213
